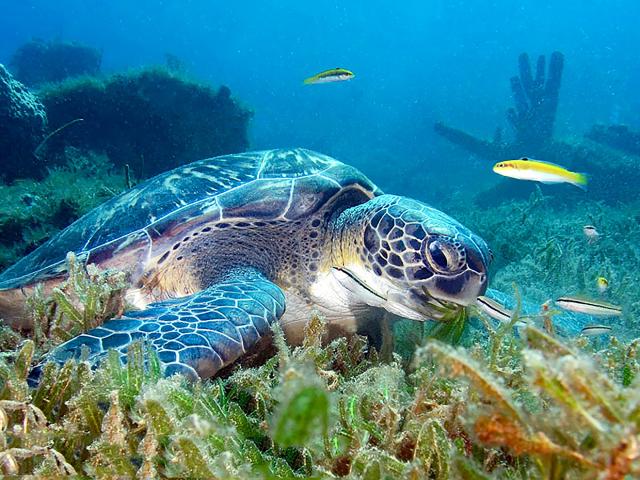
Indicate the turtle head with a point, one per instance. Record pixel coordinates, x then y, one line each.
409 258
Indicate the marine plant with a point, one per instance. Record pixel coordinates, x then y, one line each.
505 407
540 245
83 301
32 211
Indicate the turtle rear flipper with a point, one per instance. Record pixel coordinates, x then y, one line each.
196 335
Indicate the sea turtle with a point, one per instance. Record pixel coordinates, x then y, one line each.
218 250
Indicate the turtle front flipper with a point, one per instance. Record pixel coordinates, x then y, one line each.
196 335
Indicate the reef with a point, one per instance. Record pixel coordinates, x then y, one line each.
532 117
38 62
151 120
616 136
23 122
76 143
612 176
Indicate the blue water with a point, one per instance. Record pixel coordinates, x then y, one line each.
416 62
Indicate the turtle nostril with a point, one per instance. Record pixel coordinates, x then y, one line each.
483 278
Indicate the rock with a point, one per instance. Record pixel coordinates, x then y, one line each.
23 122
151 120
616 136
38 62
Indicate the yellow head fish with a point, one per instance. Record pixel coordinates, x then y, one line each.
536 170
333 75
602 284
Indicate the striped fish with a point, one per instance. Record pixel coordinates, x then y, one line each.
333 75
593 330
497 311
590 307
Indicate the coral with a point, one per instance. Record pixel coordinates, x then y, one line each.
23 122
616 136
151 120
532 118
536 100
38 62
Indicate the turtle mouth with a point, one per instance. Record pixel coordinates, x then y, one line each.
429 307
441 303
415 303
420 305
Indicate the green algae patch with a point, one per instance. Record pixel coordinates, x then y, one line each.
304 417
500 407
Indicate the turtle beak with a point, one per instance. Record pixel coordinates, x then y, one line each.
417 304
461 289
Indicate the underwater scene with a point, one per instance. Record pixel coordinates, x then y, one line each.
338 239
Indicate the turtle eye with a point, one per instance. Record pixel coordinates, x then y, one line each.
444 255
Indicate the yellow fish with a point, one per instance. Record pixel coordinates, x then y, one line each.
602 284
539 171
333 75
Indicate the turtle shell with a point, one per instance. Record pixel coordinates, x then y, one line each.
287 184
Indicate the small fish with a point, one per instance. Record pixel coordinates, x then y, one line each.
591 233
602 284
593 330
590 307
333 75
539 171
497 311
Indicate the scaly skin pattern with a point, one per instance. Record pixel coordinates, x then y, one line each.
195 335
405 246
164 232
224 253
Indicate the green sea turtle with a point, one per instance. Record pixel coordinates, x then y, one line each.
218 250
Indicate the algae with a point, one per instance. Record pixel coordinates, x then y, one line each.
540 409
33 211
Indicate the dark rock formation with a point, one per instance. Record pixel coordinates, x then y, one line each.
616 136
532 118
38 62
22 125
495 149
536 100
611 178
150 120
